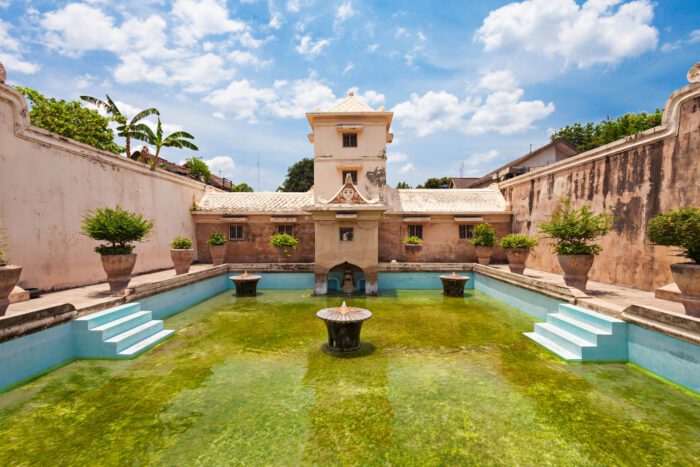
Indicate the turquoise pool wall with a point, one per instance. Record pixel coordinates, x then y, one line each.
33 354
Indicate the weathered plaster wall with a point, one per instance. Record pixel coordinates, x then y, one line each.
255 246
635 178
47 183
441 242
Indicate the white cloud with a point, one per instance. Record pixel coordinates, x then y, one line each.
599 31
4 4
310 48
498 80
301 96
694 36
199 18
475 164
219 115
344 12
372 47
401 32
372 98
245 58
394 157
671 46
223 166
348 67
240 98
407 168
11 53
504 112
433 111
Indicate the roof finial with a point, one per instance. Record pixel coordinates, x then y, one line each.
3 73
694 73
351 92
348 177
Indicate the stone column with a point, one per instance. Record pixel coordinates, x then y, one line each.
321 283
371 282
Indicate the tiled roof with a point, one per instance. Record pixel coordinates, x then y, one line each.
255 202
351 104
447 201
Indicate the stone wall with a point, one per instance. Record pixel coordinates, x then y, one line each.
635 178
48 182
255 246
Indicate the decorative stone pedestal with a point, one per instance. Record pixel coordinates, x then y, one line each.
453 285
344 325
246 284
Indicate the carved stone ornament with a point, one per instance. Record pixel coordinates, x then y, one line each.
694 73
3 73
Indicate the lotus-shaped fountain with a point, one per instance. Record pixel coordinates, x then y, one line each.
344 324
453 285
246 284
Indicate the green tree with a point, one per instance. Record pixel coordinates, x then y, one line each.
300 176
587 136
179 139
198 168
70 119
573 229
118 227
126 127
242 187
436 183
403 186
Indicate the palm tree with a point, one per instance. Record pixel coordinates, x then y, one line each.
126 127
179 139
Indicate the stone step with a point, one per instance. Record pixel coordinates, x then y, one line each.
578 328
553 347
568 341
122 324
132 336
146 344
689 323
106 316
597 320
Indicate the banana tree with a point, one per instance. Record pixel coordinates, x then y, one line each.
179 139
125 126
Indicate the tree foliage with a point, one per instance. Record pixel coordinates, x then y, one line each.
181 243
573 229
284 242
586 136
518 241
242 187
403 186
198 168
179 139
126 127
119 227
300 177
679 228
412 240
216 238
70 119
484 235
436 183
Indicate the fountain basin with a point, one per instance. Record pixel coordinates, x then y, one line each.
344 325
246 284
453 285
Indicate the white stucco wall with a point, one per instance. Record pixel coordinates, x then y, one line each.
47 183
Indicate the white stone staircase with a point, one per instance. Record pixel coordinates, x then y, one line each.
581 335
124 331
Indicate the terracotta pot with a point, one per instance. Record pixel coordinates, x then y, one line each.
516 259
483 254
576 269
413 252
9 275
687 277
182 259
118 269
217 252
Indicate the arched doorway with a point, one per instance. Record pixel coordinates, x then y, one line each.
347 278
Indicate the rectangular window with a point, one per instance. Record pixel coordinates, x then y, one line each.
285 229
346 234
235 232
349 140
353 175
415 231
466 232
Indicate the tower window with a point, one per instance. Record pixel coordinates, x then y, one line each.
353 175
349 140
415 231
466 232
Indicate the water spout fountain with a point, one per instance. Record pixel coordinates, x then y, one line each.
344 324
246 284
453 285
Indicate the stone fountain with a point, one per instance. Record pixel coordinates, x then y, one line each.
246 284
344 324
453 285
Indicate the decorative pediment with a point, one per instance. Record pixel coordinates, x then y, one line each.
349 194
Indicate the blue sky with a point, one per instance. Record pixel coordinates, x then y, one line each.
471 83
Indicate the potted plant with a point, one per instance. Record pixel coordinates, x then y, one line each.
573 230
9 275
182 254
217 247
484 240
119 228
413 246
517 248
284 242
681 228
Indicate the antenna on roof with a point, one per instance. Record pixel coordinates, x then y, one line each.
258 164
461 169
530 147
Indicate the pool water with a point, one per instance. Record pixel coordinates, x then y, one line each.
438 381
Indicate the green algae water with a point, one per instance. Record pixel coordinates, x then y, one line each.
438 381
